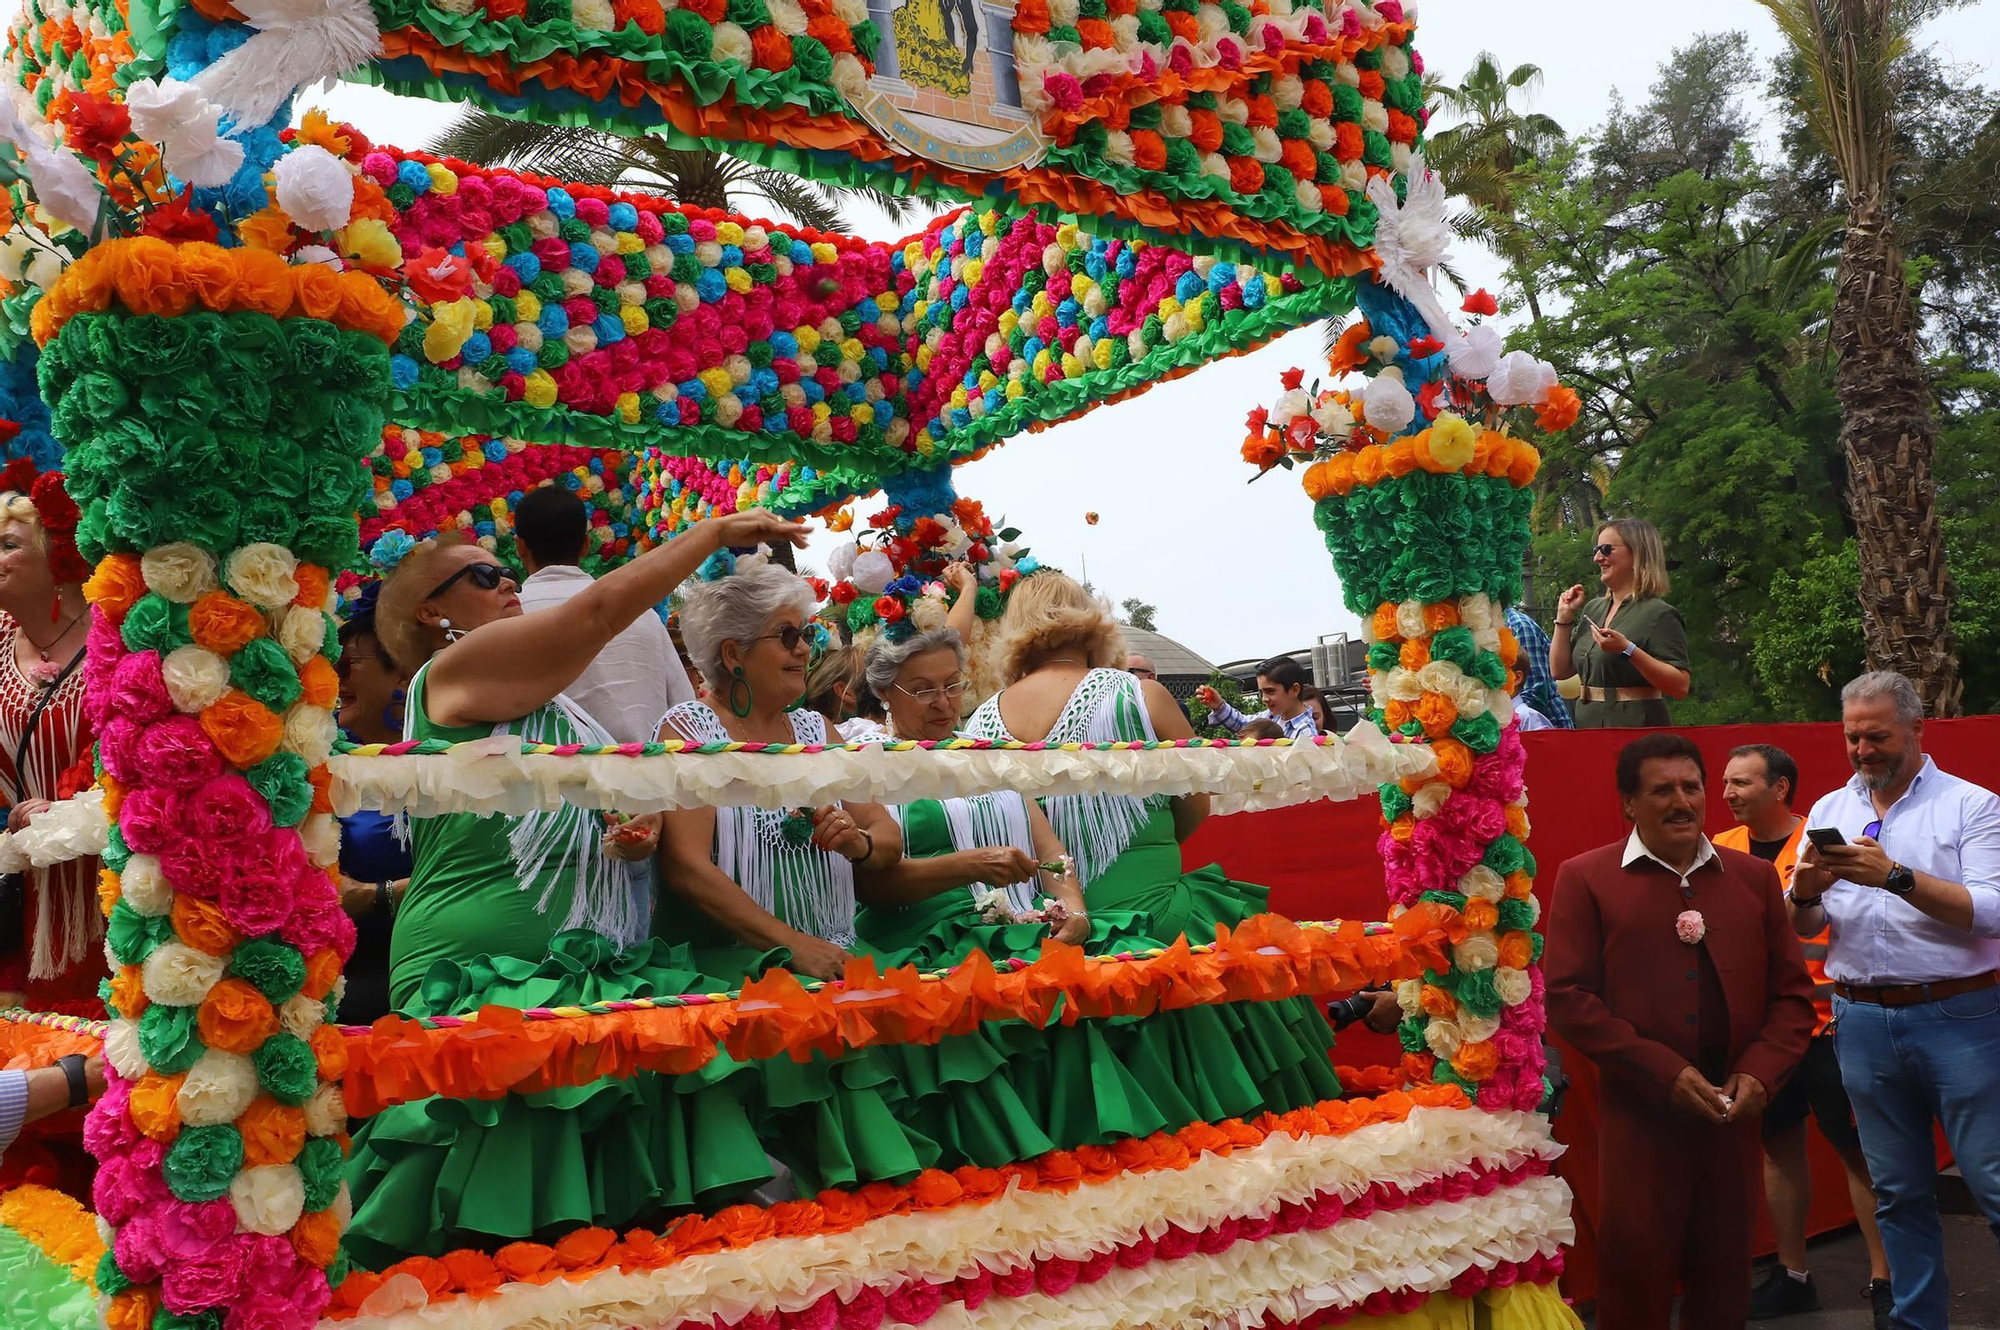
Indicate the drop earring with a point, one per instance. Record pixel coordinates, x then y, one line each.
737 681
392 715
450 634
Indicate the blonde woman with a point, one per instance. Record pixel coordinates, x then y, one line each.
1629 645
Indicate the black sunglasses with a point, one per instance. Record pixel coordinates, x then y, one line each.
485 576
1606 551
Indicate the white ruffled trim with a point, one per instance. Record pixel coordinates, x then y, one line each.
1427 1245
494 776
70 829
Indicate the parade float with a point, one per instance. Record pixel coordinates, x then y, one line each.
257 352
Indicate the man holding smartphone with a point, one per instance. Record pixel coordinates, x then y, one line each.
1902 866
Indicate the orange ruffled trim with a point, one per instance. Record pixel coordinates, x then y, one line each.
1495 454
24 1046
147 275
59 1227
587 1251
499 1051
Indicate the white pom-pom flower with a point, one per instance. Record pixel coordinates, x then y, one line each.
1476 352
1520 380
301 1015
1478 952
302 632
310 732
145 887
264 574
121 1050
196 677
1513 986
177 975
1387 404
268 1199
326 1111
218 1088
872 572
179 572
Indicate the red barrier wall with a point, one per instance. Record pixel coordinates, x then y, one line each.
1319 861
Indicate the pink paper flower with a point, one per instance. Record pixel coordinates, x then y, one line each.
1690 927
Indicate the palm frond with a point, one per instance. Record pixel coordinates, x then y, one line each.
807 202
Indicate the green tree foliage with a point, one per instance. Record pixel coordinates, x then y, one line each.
1686 282
1139 614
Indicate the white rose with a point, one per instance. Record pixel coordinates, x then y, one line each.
1387 403
1513 986
310 732
268 1199
1520 380
1478 952
264 574
121 1050
180 572
145 887
315 189
179 976
326 1111
301 1015
196 677
217 1089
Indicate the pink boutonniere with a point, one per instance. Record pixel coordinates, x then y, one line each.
1690 927
44 672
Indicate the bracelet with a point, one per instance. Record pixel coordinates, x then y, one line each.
1565 623
866 854
1812 904
384 900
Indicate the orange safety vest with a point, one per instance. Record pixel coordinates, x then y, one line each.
1738 838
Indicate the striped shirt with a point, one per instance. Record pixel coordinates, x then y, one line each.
1298 727
13 1106
1538 683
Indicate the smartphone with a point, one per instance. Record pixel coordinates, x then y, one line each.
1826 838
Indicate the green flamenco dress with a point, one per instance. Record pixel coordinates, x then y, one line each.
529 912
1232 1060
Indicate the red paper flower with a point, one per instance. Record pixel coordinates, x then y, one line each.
842 594
438 277
176 221
885 517
1480 303
1292 378
97 129
1301 434
1425 346
888 609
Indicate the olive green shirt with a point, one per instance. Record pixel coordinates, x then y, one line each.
1653 626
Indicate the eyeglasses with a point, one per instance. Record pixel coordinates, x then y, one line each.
951 692
1140 672
789 636
1606 551
485 576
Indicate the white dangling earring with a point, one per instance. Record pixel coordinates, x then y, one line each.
450 634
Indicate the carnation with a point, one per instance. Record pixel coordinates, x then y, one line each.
196 678
180 572
176 754
264 574
218 1088
315 190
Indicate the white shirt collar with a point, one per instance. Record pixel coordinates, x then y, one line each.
1635 850
560 572
1860 787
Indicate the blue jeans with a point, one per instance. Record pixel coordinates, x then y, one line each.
1903 1067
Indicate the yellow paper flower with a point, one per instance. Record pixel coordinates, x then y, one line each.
1452 440
451 325
370 242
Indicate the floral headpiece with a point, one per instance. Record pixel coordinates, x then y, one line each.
58 514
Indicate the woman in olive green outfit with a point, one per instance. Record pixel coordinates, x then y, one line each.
1632 652
532 911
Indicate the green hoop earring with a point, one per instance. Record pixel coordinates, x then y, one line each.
737 681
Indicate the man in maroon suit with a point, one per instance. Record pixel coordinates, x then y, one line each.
1672 966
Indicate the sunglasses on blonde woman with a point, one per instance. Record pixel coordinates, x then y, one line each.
485 576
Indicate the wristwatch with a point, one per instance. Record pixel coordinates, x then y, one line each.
1902 881
79 1084
1793 897
1630 647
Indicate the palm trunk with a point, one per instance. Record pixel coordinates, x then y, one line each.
1890 435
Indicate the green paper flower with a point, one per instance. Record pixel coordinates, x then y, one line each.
286 1068
1516 915
263 670
1395 802
169 1038
280 778
321 1170
1480 733
132 936
155 623
201 1162
1475 992
274 969
111 1281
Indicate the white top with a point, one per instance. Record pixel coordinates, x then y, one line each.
1635 850
635 680
1530 718
1944 826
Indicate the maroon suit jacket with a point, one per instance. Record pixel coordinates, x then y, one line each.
1623 989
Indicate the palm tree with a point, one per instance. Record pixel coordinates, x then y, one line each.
1849 50
697 177
1484 158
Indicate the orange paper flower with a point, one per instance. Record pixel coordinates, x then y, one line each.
1560 410
244 730
316 1238
236 1018
155 1106
224 624
273 1133
202 926
116 585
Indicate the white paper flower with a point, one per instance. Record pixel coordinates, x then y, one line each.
1475 352
321 834
302 632
301 1015
1482 883
195 151
268 1199
1410 996
1513 986
264 574
180 572
1429 800
1476 1029
63 186
927 615
314 188
145 887
1290 406
310 732
326 1111
196 678
218 1088
1478 952
1520 380
731 42
121 1049
1333 418
43 268
177 975
1410 622
1387 404
319 254
873 571
595 15
1442 1035
159 108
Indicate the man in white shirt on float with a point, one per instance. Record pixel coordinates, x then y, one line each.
1909 889
639 675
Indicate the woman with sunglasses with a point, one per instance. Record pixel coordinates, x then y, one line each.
533 911
1631 650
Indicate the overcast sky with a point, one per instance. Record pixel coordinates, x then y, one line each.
1239 570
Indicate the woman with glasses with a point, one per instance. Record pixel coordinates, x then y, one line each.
539 910
374 860
1059 651
1629 645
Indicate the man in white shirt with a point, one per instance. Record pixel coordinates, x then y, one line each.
1912 904
639 676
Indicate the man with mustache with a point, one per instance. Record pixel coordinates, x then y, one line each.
1672 966
1911 900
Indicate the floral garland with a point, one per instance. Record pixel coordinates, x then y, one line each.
56 512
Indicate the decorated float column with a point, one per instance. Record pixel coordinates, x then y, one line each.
216 405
